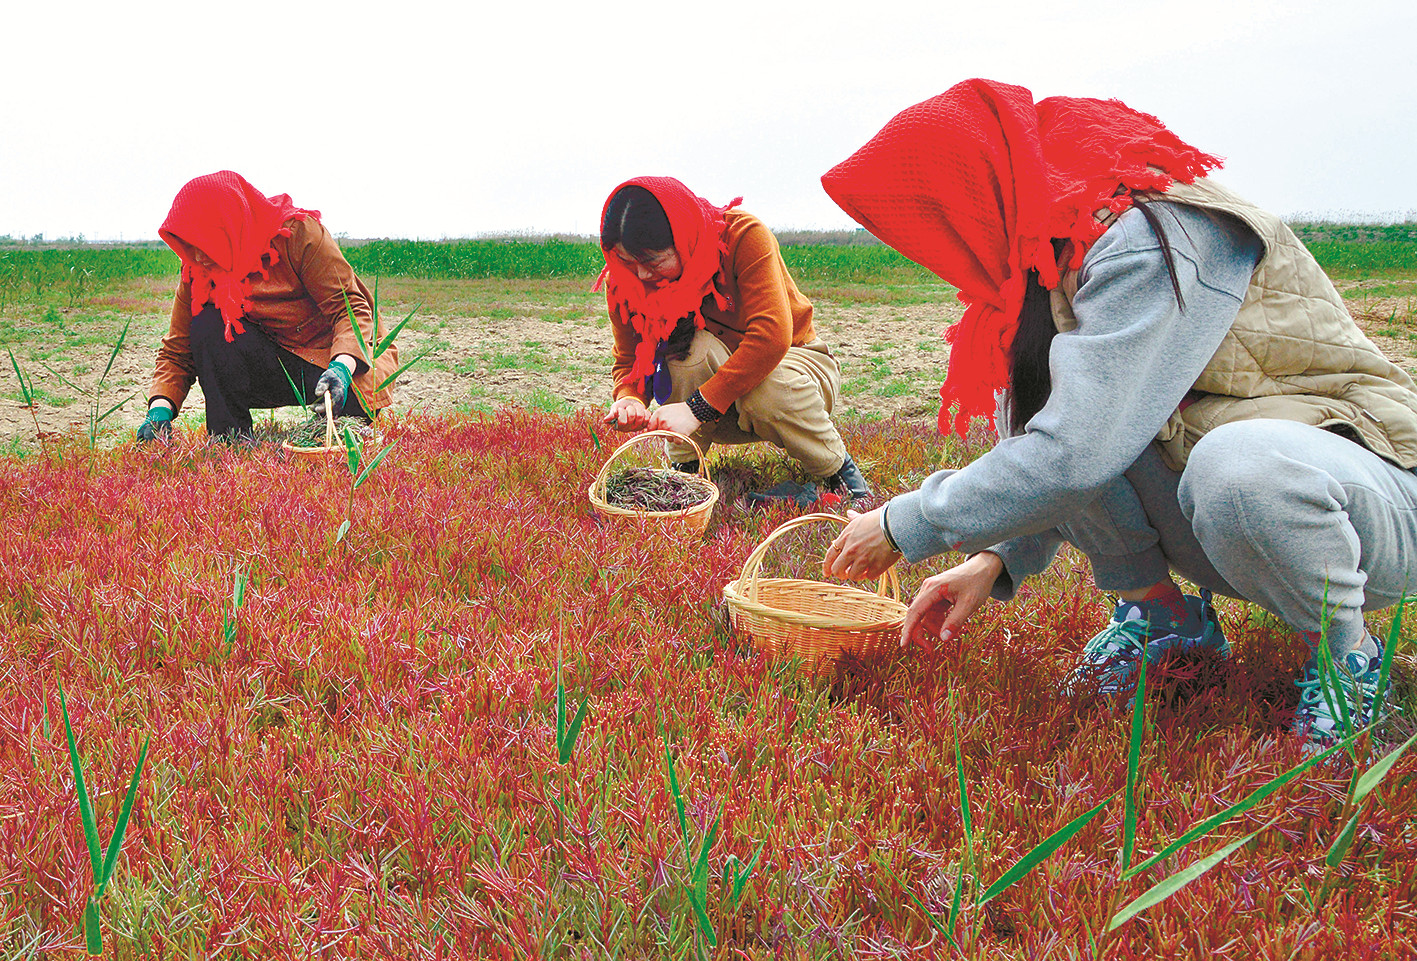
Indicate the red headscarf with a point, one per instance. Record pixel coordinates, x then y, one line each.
235 225
974 184
698 230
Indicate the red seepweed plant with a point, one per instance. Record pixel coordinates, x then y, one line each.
362 755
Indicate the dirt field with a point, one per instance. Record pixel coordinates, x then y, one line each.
541 344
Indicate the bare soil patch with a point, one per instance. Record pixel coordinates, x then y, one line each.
542 344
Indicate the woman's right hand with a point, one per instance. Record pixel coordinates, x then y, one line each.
946 601
628 414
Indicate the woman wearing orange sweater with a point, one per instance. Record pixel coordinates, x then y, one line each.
709 324
266 301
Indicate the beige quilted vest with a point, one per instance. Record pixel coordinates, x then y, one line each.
1293 353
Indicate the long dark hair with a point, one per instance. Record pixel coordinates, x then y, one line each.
1030 382
634 219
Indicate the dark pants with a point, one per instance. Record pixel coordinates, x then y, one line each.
252 371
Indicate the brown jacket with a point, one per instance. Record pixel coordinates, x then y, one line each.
301 306
769 315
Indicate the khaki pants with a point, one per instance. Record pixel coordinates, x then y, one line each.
791 408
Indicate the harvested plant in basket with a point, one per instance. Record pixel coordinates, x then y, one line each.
311 433
655 494
656 489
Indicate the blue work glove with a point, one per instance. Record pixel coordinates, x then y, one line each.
157 425
334 381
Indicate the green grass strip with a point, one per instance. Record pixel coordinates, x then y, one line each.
1164 889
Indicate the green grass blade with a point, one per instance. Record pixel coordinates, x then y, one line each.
1129 816
740 878
1239 807
93 934
374 315
1373 776
964 814
1332 685
388 340
1050 844
1340 845
394 376
115 844
678 797
701 916
354 324
352 451
929 915
295 392
85 807
573 732
1393 639
560 711
26 387
238 590
63 380
958 896
108 413
1165 888
118 345
701 868
371 465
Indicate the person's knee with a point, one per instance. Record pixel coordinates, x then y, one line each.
1230 475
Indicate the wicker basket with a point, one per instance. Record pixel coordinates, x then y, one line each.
691 519
815 621
319 453
334 447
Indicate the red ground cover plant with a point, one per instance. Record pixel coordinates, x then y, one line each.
369 765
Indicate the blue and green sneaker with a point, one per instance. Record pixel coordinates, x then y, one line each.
1351 690
1110 660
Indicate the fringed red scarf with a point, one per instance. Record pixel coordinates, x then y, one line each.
974 184
698 229
235 225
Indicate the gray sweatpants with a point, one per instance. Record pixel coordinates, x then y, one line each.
1273 512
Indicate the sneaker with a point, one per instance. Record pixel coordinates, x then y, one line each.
848 480
1356 678
1110 660
688 467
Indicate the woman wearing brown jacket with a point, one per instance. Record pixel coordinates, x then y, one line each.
265 313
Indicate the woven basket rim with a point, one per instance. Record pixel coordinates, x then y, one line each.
736 592
825 621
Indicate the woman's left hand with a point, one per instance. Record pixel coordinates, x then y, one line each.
676 417
860 552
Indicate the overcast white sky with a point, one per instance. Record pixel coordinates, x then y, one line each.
422 119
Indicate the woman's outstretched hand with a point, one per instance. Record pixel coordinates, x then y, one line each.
676 417
627 414
946 601
860 552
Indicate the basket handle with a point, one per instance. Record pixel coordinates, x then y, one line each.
747 584
600 479
329 422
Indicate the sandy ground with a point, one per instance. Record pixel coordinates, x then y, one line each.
542 345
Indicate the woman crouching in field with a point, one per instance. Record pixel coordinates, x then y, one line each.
709 324
1180 389
264 302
